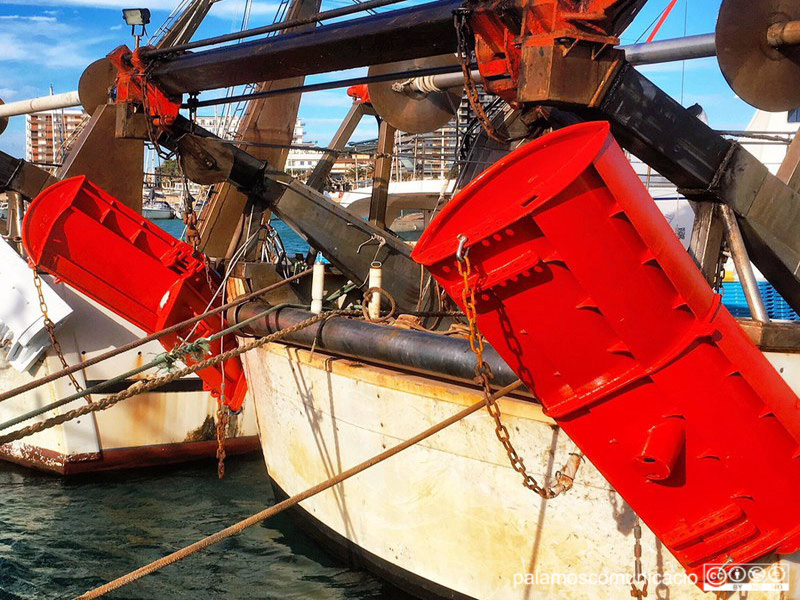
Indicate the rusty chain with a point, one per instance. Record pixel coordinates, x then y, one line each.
50 327
473 97
223 418
638 576
223 414
189 214
193 239
463 54
149 338
484 376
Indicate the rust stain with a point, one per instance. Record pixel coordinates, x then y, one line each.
204 433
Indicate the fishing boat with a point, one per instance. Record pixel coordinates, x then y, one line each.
173 424
634 434
157 209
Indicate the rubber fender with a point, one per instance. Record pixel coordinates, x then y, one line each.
82 235
586 292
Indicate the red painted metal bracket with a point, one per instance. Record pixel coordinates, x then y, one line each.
82 235
505 32
586 292
359 93
133 85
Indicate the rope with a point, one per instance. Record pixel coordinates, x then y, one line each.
147 385
152 337
288 503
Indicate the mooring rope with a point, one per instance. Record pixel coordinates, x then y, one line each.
146 385
289 502
167 359
152 337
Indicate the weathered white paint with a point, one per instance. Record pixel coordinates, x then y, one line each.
450 509
145 420
22 331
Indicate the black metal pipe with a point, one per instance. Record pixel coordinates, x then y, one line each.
416 32
428 353
706 166
280 26
325 85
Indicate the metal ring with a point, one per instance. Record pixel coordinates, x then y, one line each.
460 253
368 297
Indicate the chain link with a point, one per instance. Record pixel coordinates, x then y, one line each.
223 418
193 239
189 214
463 54
51 332
484 376
638 576
223 414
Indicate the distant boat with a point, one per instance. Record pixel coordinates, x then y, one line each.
157 209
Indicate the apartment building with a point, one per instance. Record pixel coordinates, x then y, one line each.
49 134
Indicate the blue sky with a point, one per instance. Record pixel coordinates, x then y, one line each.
50 42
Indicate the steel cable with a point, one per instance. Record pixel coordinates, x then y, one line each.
152 337
146 385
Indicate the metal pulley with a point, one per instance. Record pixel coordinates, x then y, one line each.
205 160
95 84
410 109
757 47
3 120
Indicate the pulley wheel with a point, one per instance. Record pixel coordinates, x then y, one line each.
765 77
417 112
95 83
3 121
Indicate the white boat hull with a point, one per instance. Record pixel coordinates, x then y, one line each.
157 213
169 426
448 517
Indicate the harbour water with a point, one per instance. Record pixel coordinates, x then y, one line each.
60 538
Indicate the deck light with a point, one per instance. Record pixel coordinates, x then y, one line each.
136 16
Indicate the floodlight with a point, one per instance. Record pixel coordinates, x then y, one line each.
136 16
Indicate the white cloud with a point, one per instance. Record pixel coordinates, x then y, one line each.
223 8
167 5
16 89
34 18
45 41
